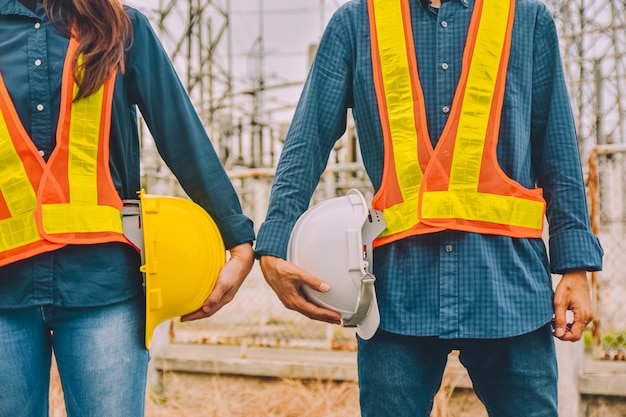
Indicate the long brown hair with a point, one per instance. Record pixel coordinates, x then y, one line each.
102 29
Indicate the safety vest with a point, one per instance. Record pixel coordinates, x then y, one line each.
70 199
458 184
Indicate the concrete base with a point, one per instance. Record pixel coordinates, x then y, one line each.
601 386
272 362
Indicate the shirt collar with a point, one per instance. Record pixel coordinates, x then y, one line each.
14 7
30 4
426 3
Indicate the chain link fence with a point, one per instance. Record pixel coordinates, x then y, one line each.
594 53
256 317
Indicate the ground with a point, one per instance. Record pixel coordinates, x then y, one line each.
190 394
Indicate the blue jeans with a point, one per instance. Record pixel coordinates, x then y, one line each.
513 377
100 355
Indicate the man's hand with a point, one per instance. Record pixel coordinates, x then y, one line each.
572 293
286 279
230 278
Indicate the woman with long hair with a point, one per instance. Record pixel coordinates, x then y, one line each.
73 75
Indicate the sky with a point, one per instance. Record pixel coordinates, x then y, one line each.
288 29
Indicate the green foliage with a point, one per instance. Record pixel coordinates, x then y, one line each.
611 340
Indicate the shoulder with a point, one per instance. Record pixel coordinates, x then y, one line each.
352 6
351 11
534 16
347 22
137 18
536 9
143 32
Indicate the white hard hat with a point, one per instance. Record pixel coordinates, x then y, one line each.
333 240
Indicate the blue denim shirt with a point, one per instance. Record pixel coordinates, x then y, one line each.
449 284
32 53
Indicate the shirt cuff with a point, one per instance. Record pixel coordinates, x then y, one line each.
575 249
235 230
273 239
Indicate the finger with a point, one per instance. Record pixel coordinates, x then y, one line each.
300 278
560 322
575 330
316 312
287 280
196 315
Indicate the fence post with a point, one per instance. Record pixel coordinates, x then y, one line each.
570 362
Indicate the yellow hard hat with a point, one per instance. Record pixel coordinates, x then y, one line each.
183 254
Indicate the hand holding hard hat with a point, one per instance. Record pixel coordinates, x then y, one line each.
229 280
333 241
287 281
183 256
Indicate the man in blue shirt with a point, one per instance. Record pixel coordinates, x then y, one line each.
487 294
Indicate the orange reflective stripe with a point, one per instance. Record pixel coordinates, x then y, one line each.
21 168
79 163
18 194
474 194
477 99
20 229
455 187
70 199
400 98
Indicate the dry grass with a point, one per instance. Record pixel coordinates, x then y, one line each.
183 394
57 408
212 396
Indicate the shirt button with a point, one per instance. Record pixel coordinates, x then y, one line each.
445 109
444 24
37 25
42 153
448 248
37 62
444 66
40 107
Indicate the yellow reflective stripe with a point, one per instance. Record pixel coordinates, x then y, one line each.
84 134
400 217
20 229
82 213
401 112
478 97
67 218
17 231
494 208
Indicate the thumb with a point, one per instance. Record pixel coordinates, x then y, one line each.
560 322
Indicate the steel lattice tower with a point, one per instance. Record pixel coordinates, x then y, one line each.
196 35
593 34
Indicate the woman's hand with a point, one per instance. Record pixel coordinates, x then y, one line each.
229 280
